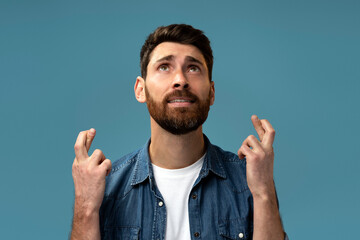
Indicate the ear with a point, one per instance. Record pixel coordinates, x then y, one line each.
212 93
139 90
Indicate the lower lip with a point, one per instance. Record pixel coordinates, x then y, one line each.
180 104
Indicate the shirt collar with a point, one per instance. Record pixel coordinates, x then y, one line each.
212 162
143 168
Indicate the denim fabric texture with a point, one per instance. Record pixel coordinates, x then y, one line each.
220 202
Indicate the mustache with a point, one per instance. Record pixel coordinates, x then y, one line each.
181 93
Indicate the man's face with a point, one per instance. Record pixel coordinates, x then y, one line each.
177 87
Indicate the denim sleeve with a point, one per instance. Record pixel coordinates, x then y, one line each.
277 201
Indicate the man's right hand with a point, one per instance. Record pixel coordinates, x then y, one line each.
89 173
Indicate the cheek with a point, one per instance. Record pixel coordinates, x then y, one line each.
156 91
204 92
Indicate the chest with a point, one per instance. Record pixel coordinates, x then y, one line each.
217 209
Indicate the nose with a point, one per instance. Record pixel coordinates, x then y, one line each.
180 81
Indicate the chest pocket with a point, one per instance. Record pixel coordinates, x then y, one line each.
128 233
234 229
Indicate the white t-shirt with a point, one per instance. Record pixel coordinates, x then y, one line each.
175 186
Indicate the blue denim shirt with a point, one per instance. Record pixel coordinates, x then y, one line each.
220 202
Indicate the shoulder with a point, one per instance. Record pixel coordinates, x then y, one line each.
224 156
123 162
234 167
119 179
227 158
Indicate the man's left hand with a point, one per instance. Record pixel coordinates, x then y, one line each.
259 158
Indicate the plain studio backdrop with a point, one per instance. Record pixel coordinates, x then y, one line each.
67 66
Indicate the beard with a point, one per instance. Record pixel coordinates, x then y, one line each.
179 120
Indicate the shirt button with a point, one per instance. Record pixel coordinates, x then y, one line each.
161 204
241 235
196 234
194 196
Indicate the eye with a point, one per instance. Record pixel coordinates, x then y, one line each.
164 67
194 68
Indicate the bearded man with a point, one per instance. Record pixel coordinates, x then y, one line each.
179 185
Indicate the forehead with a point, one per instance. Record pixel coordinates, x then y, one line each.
177 50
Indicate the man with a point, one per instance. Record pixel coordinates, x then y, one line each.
179 185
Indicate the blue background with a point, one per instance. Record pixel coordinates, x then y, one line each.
66 66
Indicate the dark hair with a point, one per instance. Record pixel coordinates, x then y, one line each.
179 33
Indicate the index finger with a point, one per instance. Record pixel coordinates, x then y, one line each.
269 135
258 127
79 147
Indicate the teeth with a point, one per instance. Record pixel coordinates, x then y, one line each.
180 100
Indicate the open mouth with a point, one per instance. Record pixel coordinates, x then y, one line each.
181 101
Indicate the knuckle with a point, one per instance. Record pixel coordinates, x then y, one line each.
241 149
98 152
88 169
109 163
102 169
252 137
77 147
256 157
73 166
270 152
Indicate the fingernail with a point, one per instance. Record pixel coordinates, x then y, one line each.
92 132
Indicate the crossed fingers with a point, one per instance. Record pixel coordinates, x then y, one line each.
82 146
265 131
266 135
83 143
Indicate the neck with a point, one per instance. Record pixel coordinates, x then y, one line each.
175 151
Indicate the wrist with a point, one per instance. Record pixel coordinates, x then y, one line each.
265 194
85 210
265 200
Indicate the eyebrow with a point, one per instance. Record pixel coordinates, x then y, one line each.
188 58
166 58
192 59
